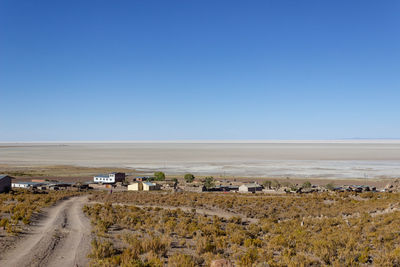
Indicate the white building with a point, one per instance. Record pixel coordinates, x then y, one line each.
110 178
253 187
135 187
26 185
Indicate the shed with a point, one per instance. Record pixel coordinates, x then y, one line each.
5 183
148 186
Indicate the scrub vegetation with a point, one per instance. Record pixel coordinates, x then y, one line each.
337 229
18 207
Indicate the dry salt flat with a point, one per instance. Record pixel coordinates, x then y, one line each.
313 159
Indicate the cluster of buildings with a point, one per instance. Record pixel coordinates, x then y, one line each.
118 181
7 183
45 185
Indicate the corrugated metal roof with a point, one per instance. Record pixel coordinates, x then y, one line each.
3 176
149 183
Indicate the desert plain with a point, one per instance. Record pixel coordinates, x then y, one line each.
318 160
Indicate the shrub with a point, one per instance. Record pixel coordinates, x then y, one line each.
317 229
101 249
249 258
189 177
159 176
209 182
330 186
306 184
181 260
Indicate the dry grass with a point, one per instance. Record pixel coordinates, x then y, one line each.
323 229
18 207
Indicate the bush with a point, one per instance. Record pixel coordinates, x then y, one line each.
306 185
181 260
189 177
159 176
209 182
101 249
330 186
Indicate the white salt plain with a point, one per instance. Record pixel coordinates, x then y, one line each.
312 159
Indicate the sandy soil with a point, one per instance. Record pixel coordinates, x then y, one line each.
61 239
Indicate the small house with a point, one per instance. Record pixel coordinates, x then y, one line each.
148 186
5 183
143 186
110 178
253 187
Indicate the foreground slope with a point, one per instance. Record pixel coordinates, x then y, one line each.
62 239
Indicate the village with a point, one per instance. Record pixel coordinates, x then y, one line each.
119 181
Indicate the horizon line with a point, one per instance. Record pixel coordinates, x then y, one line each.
341 140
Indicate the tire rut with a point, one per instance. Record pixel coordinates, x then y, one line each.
62 239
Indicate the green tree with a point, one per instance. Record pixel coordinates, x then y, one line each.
159 176
209 182
189 177
330 186
306 184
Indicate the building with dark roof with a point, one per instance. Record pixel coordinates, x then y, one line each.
5 183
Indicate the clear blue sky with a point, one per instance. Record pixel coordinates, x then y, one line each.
167 70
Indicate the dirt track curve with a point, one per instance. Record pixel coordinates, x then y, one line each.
61 239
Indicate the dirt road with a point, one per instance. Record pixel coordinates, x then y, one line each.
61 239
